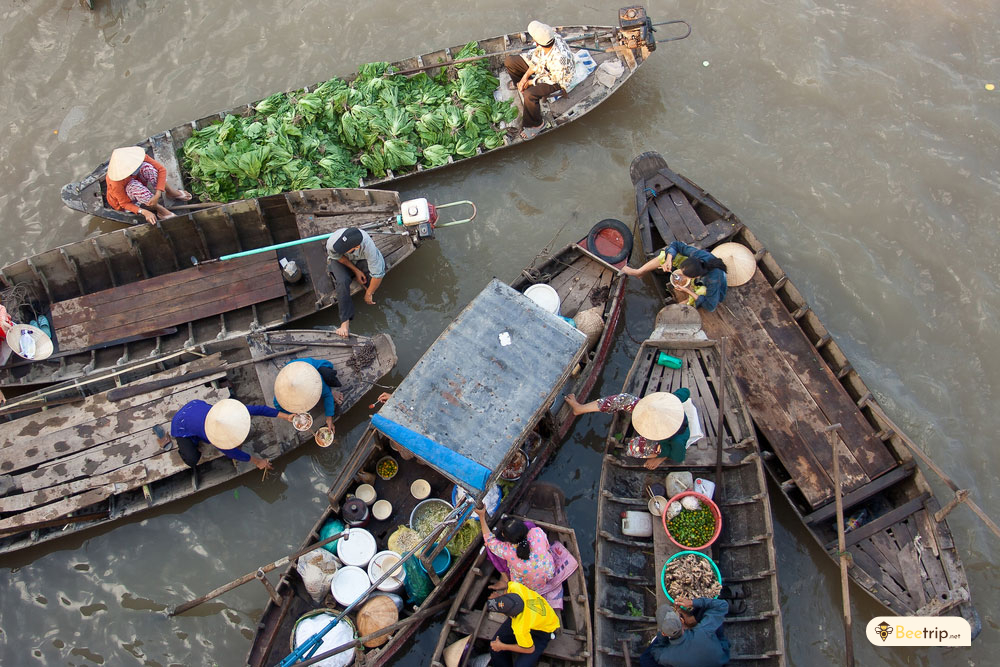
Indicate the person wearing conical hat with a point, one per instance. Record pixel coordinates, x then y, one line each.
136 183
658 418
224 425
702 275
543 71
299 387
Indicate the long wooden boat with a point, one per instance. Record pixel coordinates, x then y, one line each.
92 457
480 394
798 383
628 44
628 569
152 290
545 505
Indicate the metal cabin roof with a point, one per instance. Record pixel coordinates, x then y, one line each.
478 397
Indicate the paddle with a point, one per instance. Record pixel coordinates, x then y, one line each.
841 550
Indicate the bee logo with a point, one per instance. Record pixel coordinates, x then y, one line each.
883 630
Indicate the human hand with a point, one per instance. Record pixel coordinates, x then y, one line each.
337 396
497 645
149 215
368 299
361 277
383 397
155 199
480 512
287 417
262 464
329 424
685 604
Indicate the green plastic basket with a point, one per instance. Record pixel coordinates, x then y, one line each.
663 572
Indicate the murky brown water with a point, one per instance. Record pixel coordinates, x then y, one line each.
857 139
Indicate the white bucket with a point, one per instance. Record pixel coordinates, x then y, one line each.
349 584
341 633
545 296
382 561
357 549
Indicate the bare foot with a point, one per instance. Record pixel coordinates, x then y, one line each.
343 330
573 403
654 463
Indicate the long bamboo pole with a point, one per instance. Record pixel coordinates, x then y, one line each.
933 466
250 576
845 595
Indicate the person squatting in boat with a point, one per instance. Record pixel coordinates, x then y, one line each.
530 625
352 254
224 425
301 381
519 552
690 634
698 277
659 420
543 71
136 182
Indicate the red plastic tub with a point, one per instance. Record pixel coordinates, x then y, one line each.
705 500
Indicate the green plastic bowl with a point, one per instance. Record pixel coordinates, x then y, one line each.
663 572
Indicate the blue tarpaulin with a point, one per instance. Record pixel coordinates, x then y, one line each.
454 465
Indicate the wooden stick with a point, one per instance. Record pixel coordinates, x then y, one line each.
419 616
181 608
188 207
933 466
128 391
626 653
841 549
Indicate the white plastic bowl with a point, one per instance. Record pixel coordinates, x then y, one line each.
357 549
545 296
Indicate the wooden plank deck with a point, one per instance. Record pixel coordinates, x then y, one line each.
168 300
793 395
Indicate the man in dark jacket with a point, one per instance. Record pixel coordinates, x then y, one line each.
690 635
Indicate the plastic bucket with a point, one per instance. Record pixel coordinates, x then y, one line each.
441 562
314 621
545 296
349 583
705 500
382 561
357 549
663 572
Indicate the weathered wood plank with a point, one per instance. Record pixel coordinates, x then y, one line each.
886 520
858 496
667 220
694 225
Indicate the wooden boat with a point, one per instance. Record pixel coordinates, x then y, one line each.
628 569
798 383
545 505
151 290
629 44
583 280
479 397
92 457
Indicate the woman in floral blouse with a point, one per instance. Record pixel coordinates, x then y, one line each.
663 430
525 551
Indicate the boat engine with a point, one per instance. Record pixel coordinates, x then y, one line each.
418 213
635 28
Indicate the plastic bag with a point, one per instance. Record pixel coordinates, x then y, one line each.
678 482
673 509
317 569
691 503
418 584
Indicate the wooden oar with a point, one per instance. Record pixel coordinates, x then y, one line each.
961 495
845 596
128 391
235 583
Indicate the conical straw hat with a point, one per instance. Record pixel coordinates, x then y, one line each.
124 161
227 424
298 387
379 612
43 344
658 416
740 264
453 654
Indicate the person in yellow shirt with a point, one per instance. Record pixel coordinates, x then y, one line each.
530 625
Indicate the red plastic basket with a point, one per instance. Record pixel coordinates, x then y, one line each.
705 500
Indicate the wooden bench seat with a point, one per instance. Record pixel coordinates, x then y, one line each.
859 496
163 301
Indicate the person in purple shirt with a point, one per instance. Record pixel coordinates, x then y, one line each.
188 428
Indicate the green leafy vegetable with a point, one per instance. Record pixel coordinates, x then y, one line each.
346 131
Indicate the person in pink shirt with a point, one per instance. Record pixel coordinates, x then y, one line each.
524 550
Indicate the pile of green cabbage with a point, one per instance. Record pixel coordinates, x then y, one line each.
342 132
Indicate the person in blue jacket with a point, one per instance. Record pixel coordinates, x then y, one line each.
188 428
705 274
328 395
690 635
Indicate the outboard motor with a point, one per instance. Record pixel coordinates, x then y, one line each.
635 28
